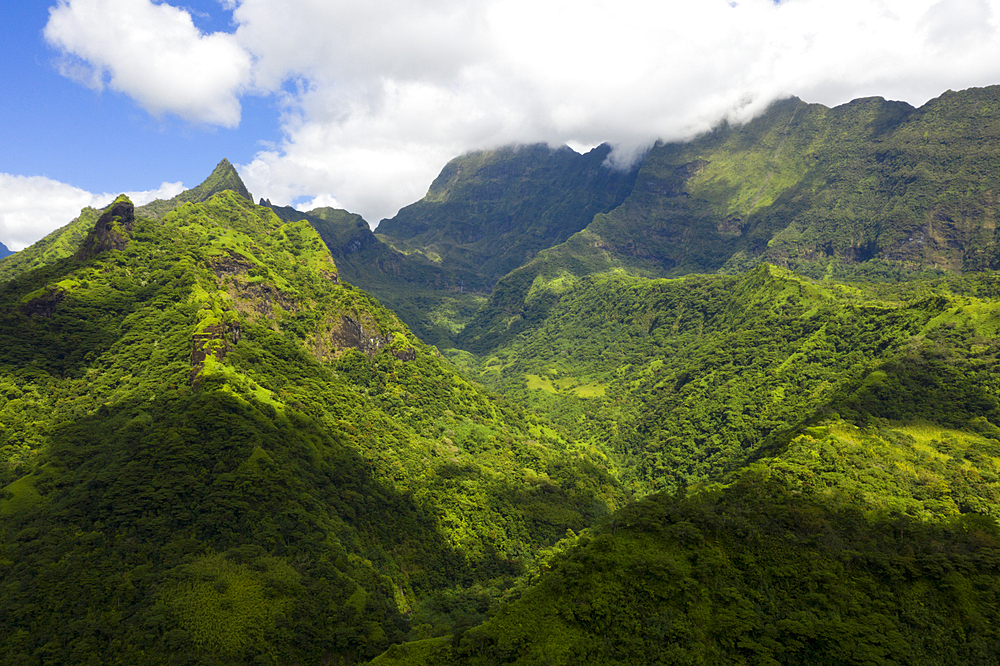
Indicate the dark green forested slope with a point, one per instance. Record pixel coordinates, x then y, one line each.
680 380
490 211
214 451
429 297
867 190
834 459
757 573
487 213
870 544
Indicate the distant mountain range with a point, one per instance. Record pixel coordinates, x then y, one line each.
869 190
739 403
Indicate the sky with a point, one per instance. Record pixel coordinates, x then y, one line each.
359 105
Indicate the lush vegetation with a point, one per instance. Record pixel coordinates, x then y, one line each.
65 241
431 298
758 573
685 379
871 191
832 463
207 424
62 242
490 211
741 405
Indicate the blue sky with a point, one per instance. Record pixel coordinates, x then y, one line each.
360 104
53 126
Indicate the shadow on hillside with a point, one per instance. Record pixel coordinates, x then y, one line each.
135 498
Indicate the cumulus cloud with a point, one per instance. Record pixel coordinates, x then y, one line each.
153 53
384 92
31 207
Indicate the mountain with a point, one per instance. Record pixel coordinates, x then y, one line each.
431 299
683 380
868 190
4 251
872 189
487 213
213 449
819 466
817 455
490 211
223 178
739 404
763 571
63 242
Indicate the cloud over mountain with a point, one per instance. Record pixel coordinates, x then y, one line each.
377 95
33 206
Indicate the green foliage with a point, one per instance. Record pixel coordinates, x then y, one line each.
61 243
214 449
486 214
678 381
490 211
756 573
223 178
871 191
208 424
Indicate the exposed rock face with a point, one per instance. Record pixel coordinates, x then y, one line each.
43 306
216 341
407 354
111 232
231 264
355 334
674 183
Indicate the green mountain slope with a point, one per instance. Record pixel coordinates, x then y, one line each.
684 379
868 190
213 450
63 242
428 297
490 211
783 337
757 573
223 178
486 213
834 460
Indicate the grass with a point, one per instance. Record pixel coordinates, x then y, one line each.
537 383
23 495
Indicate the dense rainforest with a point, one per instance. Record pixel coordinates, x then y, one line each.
738 403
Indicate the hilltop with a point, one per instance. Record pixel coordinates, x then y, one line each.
202 421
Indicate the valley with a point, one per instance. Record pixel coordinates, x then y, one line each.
737 403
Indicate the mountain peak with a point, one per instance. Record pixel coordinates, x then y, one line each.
223 177
112 230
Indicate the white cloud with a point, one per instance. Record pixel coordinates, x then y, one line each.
153 53
31 207
386 91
